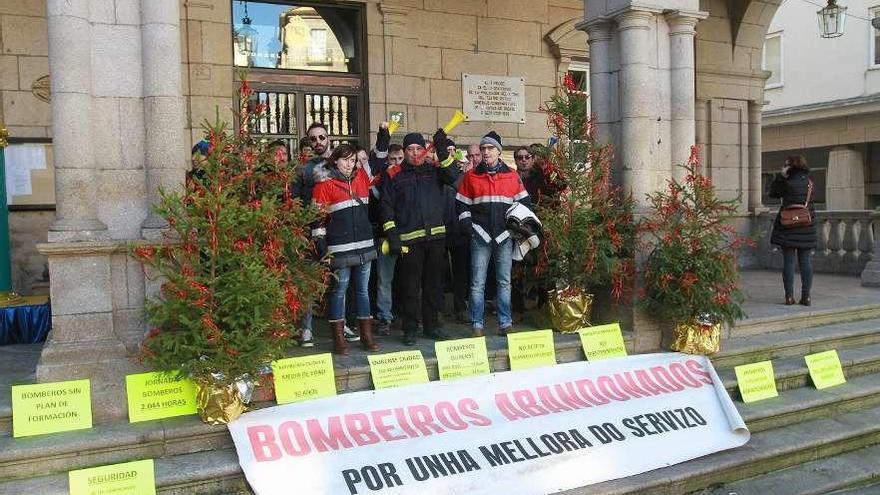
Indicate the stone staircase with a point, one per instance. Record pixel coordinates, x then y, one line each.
803 442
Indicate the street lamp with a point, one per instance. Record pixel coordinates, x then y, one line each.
832 20
246 35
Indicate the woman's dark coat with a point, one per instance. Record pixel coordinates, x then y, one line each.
793 190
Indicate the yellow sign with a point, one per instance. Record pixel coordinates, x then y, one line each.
756 381
128 478
602 342
531 349
159 395
825 369
304 378
462 357
398 368
51 407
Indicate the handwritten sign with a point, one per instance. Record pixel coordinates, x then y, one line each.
398 368
531 349
304 378
462 357
493 98
51 407
756 381
128 478
825 369
602 342
159 395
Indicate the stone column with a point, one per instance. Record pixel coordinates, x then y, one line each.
166 159
683 87
755 191
845 183
601 68
70 53
638 149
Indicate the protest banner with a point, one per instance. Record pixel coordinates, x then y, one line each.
159 395
128 478
44 408
534 431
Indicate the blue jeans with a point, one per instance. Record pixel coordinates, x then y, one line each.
481 252
360 275
385 286
806 266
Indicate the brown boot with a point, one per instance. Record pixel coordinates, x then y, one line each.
365 328
340 346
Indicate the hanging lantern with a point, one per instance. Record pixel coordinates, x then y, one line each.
832 20
246 36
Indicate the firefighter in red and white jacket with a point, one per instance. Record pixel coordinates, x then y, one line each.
342 191
484 196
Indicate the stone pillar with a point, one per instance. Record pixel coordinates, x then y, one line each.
601 75
871 273
845 180
70 53
165 159
755 191
638 148
683 87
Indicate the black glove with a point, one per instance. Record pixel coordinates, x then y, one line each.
467 227
441 141
383 139
321 247
519 230
394 246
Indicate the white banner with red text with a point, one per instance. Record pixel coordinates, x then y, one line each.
535 431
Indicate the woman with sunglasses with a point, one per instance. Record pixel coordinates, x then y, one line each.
345 234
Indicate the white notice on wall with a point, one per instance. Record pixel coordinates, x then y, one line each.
21 159
494 98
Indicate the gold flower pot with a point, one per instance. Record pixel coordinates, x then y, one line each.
692 337
219 404
568 310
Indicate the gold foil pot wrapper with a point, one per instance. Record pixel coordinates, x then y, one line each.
568 310
219 404
695 338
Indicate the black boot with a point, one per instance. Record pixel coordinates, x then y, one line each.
409 336
436 333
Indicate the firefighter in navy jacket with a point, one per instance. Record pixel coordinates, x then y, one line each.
342 191
412 211
484 195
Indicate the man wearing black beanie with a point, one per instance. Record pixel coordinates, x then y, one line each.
412 211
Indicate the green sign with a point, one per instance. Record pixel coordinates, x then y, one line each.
159 395
51 407
825 369
128 478
602 342
462 357
304 378
756 381
531 349
398 368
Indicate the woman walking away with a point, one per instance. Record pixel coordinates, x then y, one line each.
795 234
342 190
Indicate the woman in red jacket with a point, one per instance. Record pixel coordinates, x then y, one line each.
342 191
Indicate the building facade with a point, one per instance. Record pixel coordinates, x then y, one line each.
823 101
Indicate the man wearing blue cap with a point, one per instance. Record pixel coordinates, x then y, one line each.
412 212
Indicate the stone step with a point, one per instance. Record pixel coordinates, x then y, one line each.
792 372
353 371
873 489
804 318
761 347
218 472
849 471
766 452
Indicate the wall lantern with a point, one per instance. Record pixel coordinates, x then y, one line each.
832 20
246 35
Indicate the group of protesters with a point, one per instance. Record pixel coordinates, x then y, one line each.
416 215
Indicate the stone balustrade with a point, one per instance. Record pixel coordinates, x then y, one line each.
846 241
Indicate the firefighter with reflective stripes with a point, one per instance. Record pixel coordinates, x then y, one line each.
342 191
412 207
484 196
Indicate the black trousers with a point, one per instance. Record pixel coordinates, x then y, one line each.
461 275
420 272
